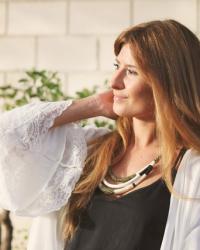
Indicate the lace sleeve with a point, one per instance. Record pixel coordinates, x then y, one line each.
31 121
38 167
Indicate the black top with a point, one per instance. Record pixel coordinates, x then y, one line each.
135 221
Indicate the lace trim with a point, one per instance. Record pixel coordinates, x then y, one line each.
42 122
58 190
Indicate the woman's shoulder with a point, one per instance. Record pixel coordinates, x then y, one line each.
192 161
188 175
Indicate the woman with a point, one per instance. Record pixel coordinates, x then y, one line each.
111 194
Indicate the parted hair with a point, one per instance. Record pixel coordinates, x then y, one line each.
168 56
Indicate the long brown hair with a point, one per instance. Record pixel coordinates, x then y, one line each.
168 55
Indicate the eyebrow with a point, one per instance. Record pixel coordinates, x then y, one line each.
129 65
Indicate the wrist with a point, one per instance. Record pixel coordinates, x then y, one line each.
97 106
89 107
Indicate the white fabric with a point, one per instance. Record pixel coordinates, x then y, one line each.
44 233
39 168
183 225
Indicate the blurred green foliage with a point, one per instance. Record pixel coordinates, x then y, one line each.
44 85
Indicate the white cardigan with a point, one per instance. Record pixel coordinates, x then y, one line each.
39 168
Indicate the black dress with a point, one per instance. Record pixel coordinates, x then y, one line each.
135 221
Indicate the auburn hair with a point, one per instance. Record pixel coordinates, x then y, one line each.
168 55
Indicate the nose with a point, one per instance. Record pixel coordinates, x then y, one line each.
117 80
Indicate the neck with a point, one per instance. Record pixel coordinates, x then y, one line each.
144 133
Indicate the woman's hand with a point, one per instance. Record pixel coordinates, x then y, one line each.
105 102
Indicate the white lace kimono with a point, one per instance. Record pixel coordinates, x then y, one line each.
39 168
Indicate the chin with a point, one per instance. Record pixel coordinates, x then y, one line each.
121 112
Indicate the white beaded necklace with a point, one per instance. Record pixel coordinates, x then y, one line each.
123 187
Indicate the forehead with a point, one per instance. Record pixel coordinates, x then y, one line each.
126 55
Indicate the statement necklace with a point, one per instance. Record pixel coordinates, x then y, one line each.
125 184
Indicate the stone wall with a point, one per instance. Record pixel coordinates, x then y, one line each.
75 37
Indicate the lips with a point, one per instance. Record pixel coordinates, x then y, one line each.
119 97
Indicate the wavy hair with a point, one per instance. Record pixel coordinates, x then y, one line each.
168 55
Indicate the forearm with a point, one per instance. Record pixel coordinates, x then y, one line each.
78 110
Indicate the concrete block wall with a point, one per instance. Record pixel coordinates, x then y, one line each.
75 37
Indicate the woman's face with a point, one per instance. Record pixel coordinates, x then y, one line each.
132 95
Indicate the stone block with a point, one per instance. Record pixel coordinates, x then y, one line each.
184 11
106 54
17 53
104 17
2 17
66 54
45 17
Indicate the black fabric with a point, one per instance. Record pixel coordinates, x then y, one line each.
135 221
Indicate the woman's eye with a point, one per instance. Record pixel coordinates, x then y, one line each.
116 66
131 72
128 71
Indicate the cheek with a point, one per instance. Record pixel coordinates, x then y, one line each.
141 92
141 97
